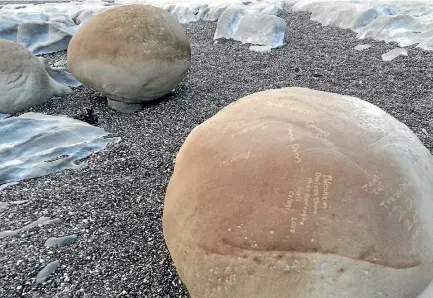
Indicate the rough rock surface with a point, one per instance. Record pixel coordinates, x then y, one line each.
132 54
285 182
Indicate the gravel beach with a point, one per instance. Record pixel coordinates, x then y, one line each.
114 203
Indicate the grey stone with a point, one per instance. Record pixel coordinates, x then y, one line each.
60 241
45 273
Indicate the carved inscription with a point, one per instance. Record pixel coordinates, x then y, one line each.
327 181
249 129
236 157
299 191
295 146
293 223
289 106
316 199
290 130
401 207
295 149
289 201
373 186
308 200
320 133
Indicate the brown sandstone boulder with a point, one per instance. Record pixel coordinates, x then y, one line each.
132 54
301 193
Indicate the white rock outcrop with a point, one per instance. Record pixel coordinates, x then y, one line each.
253 24
24 79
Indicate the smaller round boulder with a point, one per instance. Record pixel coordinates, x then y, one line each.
132 54
24 80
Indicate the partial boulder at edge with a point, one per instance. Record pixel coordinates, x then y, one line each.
25 80
296 193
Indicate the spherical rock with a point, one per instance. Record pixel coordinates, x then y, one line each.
24 80
301 193
132 54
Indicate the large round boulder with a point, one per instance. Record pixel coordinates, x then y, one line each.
301 193
24 80
132 54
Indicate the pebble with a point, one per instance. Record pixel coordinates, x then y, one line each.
60 241
45 273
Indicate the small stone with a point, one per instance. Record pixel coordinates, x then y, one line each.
392 54
362 47
45 273
60 241
88 116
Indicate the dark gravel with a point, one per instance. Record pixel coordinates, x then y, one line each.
114 204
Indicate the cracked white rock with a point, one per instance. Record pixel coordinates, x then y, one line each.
261 29
362 47
252 24
394 53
